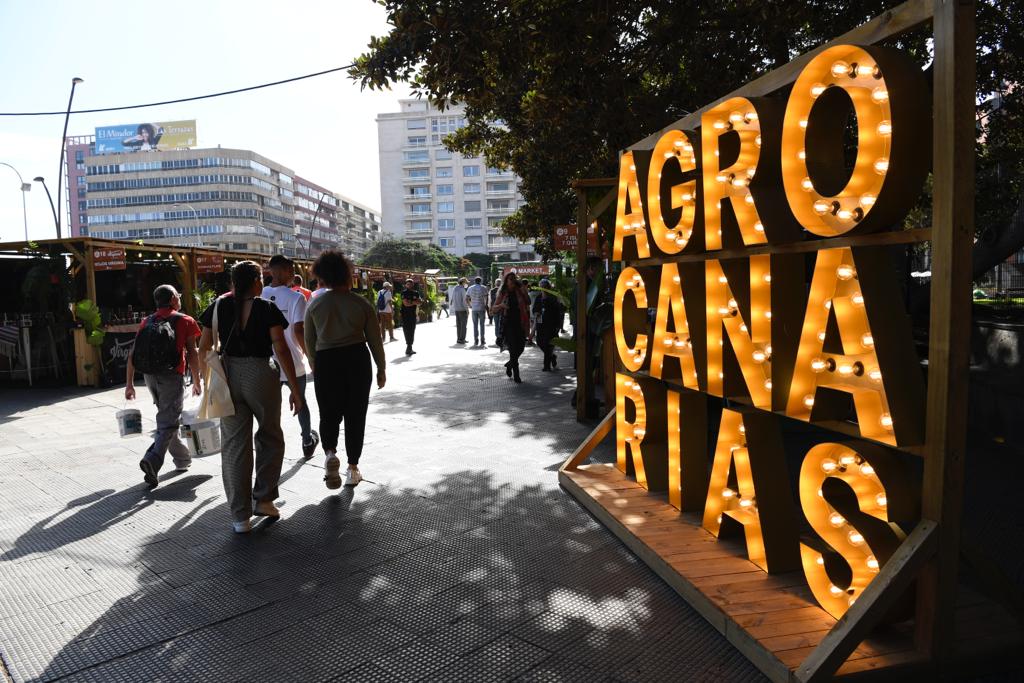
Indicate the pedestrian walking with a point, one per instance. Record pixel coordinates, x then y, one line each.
512 303
496 315
297 286
410 306
477 298
164 344
533 295
251 330
339 327
457 301
549 313
386 311
292 304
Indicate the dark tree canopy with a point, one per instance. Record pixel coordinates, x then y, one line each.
572 83
414 256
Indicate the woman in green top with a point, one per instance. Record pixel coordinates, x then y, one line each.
339 325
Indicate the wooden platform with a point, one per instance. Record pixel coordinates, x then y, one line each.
773 620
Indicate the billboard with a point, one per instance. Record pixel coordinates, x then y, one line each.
145 137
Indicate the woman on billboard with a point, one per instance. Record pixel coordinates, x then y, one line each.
146 138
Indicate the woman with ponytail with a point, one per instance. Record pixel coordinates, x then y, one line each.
251 329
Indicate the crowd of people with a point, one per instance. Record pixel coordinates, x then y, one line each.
276 333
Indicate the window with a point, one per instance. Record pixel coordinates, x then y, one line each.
419 208
499 187
470 171
494 221
447 242
418 155
81 180
419 225
444 172
442 154
81 206
446 224
419 191
474 241
445 189
416 124
472 223
413 173
473 205
471 188
417 141
446 207
498 205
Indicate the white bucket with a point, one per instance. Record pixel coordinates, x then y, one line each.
129 422
201 436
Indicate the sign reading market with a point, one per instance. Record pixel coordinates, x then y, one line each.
728 233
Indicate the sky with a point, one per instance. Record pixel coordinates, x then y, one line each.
129 53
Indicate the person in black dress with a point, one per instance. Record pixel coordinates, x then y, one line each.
513 304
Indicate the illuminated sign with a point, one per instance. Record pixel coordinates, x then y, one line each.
816 334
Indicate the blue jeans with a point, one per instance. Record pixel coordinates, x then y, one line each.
480 321
304 419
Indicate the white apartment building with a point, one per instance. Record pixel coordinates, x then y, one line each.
440 197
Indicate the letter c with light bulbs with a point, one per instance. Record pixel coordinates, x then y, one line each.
750 333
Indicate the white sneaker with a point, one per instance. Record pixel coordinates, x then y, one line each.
242 527
265 508
352 477
332 466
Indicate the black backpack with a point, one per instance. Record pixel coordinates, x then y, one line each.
382 302
156 348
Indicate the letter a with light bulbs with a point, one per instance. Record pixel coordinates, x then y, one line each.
768 382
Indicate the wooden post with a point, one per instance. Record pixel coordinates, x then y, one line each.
949 333
90 273
185 264
583 389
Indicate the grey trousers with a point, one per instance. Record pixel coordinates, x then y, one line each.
461 317
256 393
168 391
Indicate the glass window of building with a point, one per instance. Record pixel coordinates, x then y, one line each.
416 155
473 223
471 188
494 221
419 225
470 171
446 241
498 204
446 207
413 173
473 205
419 208
445 189
474 241
503 186
419 191
444 172
446 224
416 124
442 154
417 141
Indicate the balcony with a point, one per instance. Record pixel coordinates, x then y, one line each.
500 212
495 173
419 232
416 197
511 192
415 162
416 181
419 214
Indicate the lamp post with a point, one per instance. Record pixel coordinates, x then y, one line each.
25 187
40 179
195 214
63 143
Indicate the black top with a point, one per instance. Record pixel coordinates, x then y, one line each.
408 297
252 340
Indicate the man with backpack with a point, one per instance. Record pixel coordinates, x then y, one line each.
163 344
386 311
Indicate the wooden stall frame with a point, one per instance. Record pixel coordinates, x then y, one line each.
931 553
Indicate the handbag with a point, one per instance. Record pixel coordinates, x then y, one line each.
216 400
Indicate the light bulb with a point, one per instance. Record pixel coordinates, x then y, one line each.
669 155
722 178
680 343
882 165
801 155
835 590
751 172
719 519
836 520
817 89
875 374
743 428
757 141
845 214
821 207
865 70
681 241
632 167
638 277
719 124
828 304
767 277
768 384
768 314
866 469
758 227
735 117
750 116
881 501
828 466
728 492
722 279
768 347
818 365
739 181
886 421
732 303
884 127
857 298
880 95
723 311
872 562
759 356
840 68
847 459
803 123
820 561
867 341
668 341
749 199
855 537
639 432
845 369
868 200
675 279
687 197
809 402
743 327
637 389
845 272
746 502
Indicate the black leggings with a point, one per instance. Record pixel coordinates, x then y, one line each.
515 340
342 384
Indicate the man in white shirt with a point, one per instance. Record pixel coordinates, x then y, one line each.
457 301
293 305
477 296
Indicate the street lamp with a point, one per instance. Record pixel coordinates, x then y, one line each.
195 214
40 179
25 187
63 143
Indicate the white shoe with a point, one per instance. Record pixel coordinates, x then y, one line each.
242 527
332 466
266 508
352 477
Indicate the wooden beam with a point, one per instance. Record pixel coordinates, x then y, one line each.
580 327
602 430
602 204
594 182
886 25
872 605
77 255
90 274
949 330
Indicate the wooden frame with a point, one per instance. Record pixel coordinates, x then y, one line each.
930 554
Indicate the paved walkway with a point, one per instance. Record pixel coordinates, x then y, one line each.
459 558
